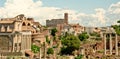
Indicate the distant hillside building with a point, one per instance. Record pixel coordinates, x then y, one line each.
71 29
55 22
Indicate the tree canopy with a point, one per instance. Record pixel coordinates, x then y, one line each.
83 36
50 51
35 48
117 27
79 57
118 21
70 43
53 31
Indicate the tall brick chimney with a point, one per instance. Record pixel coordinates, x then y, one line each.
66 17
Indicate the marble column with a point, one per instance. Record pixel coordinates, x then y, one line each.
44 50
116 44
104 43
30 41
40 52
17 45
22 46
110 44
25 42
13 43
10 43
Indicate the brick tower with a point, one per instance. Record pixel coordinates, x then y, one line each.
66 17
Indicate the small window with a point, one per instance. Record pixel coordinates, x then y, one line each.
23 24
19 44
15 44
28 24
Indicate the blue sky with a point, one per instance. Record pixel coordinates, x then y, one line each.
86 6
84 12
2 2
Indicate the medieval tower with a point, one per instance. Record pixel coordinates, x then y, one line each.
66 18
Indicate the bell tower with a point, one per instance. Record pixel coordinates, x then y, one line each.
66 18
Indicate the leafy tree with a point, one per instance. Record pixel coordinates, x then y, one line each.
117 29
53 31
79 57
47 40
35 48
95 34
50 51
83 36
70 44
118 21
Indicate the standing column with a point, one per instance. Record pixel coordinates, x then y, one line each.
104 36
40 51
25 42
28 43
22 46
17 49
110 44
116 44
13 47
44 50
13 43
17 44
30 40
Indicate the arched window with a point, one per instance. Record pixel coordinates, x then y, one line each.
23 24
28 24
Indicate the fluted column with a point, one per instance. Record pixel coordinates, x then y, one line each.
110 44
116 44
104 43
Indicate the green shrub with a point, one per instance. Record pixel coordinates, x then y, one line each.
50 51
35 48
79 57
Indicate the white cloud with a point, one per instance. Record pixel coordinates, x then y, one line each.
113 13
115 8
35 9
100 14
